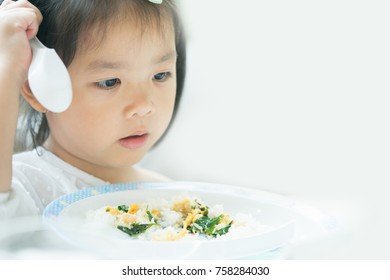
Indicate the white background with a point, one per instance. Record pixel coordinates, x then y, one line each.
290 97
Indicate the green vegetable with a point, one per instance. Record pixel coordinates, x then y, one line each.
150 216
205 225
223 230
208 224
135 229
203 208
123 208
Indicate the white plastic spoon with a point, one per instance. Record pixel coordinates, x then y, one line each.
49 79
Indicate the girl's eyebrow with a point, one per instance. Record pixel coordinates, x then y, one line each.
103 64
168 56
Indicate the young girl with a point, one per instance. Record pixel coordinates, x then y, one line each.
126 61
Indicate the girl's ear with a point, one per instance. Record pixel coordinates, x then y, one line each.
30 98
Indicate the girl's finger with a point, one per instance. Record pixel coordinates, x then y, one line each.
10 4
6 2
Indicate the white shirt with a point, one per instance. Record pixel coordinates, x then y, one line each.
39 177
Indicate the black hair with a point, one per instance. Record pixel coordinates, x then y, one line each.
64 22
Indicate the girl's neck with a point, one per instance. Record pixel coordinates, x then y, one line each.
113 175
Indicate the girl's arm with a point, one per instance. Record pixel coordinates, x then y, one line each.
19 23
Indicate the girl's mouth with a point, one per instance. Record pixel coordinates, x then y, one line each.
134 141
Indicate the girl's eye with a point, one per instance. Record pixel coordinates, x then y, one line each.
108 84
161 76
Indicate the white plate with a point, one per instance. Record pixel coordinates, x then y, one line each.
66 216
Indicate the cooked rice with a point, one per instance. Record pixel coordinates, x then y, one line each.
177 219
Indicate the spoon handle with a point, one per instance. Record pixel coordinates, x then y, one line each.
36 44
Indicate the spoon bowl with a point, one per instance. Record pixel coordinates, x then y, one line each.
49 79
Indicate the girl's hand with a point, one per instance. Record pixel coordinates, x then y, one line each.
19 22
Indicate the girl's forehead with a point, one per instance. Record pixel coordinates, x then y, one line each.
127 31
123 41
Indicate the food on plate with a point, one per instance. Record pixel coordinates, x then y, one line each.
182 218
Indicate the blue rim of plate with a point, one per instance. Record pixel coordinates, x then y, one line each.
57 206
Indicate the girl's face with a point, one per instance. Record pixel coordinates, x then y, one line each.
123 97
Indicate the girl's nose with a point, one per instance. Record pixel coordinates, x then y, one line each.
140 105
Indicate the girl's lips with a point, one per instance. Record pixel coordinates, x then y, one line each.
134 141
